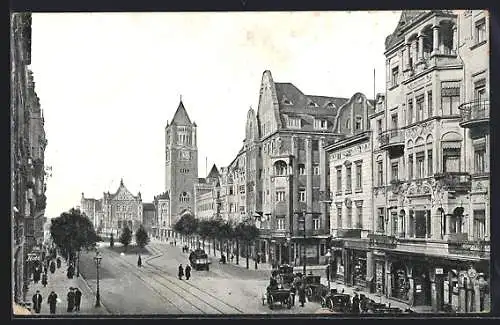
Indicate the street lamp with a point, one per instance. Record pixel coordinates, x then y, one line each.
303 228
97 260
328 269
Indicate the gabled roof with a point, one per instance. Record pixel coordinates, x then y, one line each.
214 172
123 188
181 116
407 17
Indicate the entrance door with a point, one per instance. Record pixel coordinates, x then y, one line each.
422 287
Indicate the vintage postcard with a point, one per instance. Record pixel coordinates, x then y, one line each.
250 163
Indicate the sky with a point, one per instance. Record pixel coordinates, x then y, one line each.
109 82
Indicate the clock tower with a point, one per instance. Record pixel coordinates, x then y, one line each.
181 163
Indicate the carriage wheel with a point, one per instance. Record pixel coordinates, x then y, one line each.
329 304
309 293
289 302
323 302
270 301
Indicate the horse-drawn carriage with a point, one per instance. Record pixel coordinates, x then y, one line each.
281 289
315 290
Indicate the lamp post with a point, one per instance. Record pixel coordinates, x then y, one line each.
303 226
328 269
97 260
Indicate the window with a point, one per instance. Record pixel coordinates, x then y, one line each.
358 123
450 97
394 121
480 31
479 226
231 192
339 179
420 164
394 171
316 170
184 197
420 108
322 249
320 124
394 217
348 178
349 217
184 171
358 175
280 196
348 124
359 215
380 173
242 209
429 104
302 195
410 111
381 221
315 145
379 126
422 224
451 157
479 161
429 163
339 217
280 223
316 224
294 122
410 166
242 189
394 76
302 169
280 168
480 91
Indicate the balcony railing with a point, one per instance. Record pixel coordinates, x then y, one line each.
474 113
455 181
348 233
391 138
382 240
310 232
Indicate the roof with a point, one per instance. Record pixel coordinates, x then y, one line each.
181 116
148 206
123 188
407 17
162 196
214 172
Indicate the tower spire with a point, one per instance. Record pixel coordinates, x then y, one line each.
180 97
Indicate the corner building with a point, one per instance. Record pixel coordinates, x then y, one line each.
430 243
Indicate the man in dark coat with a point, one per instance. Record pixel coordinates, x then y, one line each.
188 272
36 274
302 294
52 267
139 261
181 272
37 302
44 279
355 304
71 300
71 271
78 299
52 301
58 260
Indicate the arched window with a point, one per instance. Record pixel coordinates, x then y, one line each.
184 197
280 168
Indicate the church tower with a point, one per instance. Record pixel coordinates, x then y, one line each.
181 162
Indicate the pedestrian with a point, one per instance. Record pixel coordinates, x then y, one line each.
181 272
139 261
302 294
232 258
52 267
355 304
58 260
36 274
37 302
44 279
188 272
52 301
71 300
363 303
78 299
71 271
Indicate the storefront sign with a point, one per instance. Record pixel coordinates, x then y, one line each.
439 270
33 257
376 252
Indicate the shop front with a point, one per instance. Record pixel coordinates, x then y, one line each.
400 281
355 266
336 262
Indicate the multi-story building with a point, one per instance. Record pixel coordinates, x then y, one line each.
207 195
27 159
91 208
424 245
163 224
181 163
148 217
350 192
286 138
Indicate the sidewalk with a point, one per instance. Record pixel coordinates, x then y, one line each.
60 284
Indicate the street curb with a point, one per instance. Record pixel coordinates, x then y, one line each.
88 286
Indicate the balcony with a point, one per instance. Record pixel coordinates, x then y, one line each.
475 113
382 241
474 248
348 233
391 139
310 232
455 181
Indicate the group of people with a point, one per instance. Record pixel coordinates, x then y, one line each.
74 299
297 286
184 272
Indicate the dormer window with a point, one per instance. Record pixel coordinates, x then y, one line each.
358 123
294 122
331 105
320 124
286 101
313 104
348 124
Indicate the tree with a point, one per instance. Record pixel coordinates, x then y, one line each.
111 241
225 234
71 232
247 232
141 237
203 230
126 237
